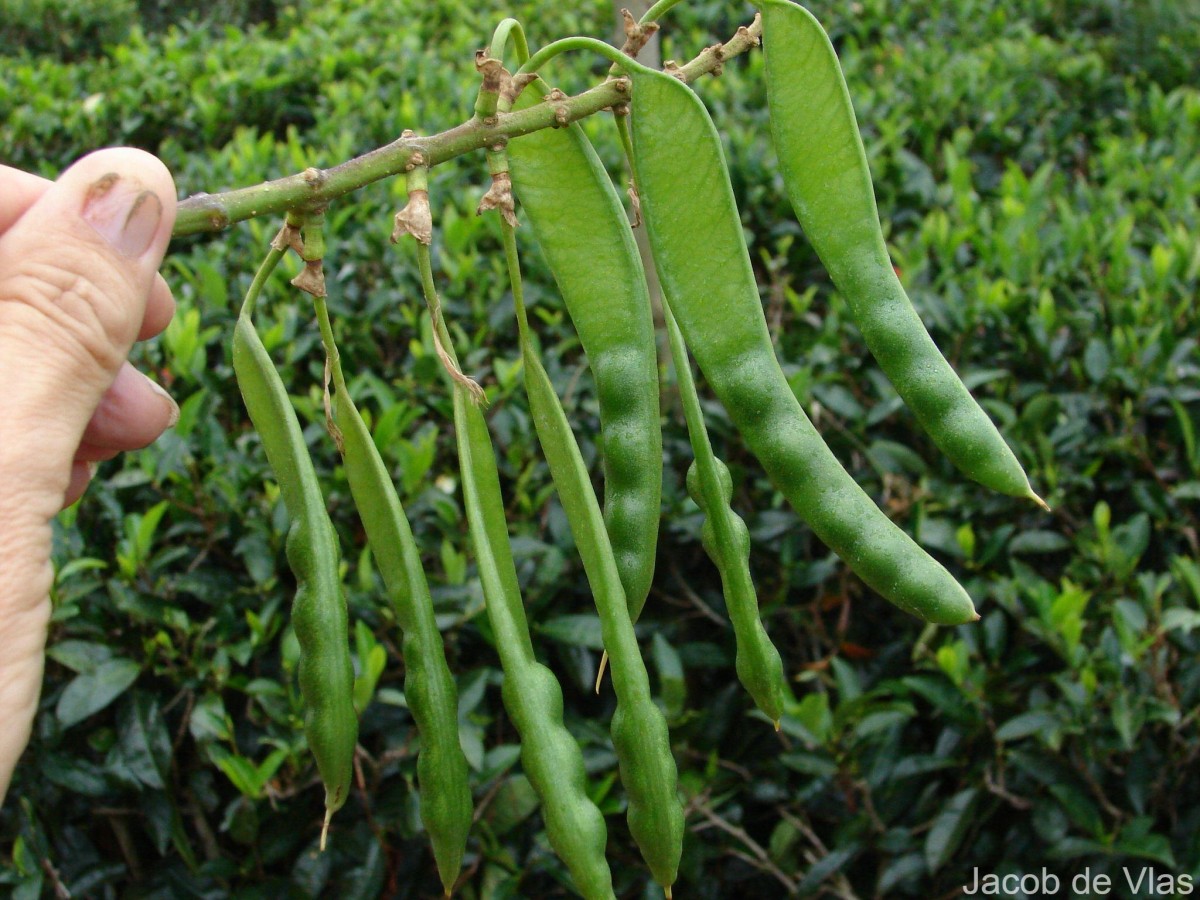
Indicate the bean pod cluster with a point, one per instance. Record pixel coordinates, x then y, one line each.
711 312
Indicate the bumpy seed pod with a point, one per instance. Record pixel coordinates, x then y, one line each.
824 165
319 609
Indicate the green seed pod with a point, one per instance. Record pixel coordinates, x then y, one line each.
319 617
581 228
549 755
639 730
446 806
824 166
700 253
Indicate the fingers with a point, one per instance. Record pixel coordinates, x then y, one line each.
22 189
160 308
81 476
131 414
78 284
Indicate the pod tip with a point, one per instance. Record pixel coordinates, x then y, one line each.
1038 500
778 725
667 891
976 617
600 673
325 827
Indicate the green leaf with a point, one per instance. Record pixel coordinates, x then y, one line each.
1137 839
944 696
209 721
239 770
809 764
1187 572
1182 619
949 828
1127 718
1074 847
269 766
846 677
896 458
364 683
901 870
366 882
145 743
784 837
79 656
92 691
1032 722
147 525
1078 805
1096 360
672 686
810 719
576 631
826 866
1033 542
372 658
515 802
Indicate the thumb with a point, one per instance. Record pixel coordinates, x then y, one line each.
76 270
75 273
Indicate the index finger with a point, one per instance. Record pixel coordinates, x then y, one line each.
21 189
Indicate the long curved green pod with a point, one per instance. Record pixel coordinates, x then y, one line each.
639 730
551 758
581 228
446 805
824 165
726 539
549 755
319 616
700 253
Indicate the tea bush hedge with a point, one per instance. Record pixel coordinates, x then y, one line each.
1037 164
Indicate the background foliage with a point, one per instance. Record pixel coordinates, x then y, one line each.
1038 165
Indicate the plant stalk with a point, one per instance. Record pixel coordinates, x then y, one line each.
316 188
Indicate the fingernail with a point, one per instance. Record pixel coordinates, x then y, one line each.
91 469
123 213
174 414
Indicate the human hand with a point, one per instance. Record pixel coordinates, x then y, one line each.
78 285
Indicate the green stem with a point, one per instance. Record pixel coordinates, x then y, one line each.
514 279
315 188
429 289
509 28
260 279
626 144
331 350
658 10
486 100
563 45
693 414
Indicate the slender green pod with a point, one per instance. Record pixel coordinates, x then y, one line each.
445 795
727 541
319 610
700 253
549 755
580 226
824 166
639 730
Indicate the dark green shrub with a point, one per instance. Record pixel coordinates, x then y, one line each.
64 29
1040 185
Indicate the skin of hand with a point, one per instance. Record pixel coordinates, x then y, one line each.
79 284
